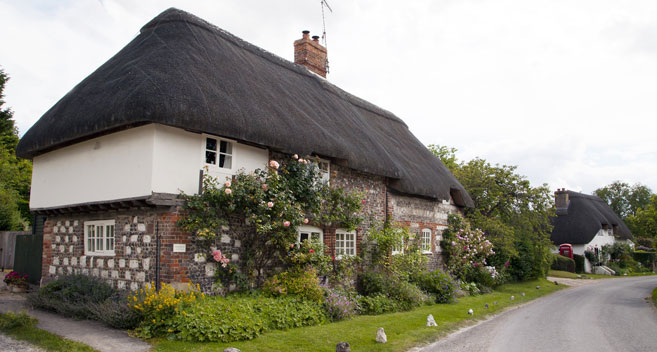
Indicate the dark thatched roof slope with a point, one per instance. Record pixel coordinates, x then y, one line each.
184 72
584 217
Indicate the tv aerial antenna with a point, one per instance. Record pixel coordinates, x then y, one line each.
325 4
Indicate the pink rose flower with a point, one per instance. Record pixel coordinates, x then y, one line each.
228 191
311 250
265 187
295 157
227 184
305 221
363 201
286 223
291 245
273 164
270 204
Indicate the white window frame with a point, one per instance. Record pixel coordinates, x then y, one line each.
400 249
425 241
310 230
104 241
216 166
340 251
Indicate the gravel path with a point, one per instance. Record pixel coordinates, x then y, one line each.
603 316
8 344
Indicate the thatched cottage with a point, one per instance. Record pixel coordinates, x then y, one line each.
112 156
585 221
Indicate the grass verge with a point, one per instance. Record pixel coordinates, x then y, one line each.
569 275
404 329
41 338
654 296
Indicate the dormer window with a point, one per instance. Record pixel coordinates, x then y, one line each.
218 152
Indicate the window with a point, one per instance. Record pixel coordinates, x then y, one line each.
439 237
399 249
345 243
219 152
310 232
425 240
99 237
324 170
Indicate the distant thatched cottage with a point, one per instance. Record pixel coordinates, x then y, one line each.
585 221
111 157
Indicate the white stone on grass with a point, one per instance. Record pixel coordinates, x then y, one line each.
470 311
512 298
431 321
381 336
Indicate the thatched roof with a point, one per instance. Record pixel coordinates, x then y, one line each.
584 217
184 72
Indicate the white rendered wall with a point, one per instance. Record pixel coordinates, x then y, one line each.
602 238
131 163
115 166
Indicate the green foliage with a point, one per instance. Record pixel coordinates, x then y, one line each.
344 270
308 254
243 318
446 155
647 259
116 313
405 294
340 304
274 202
11 320
74 296
15 173
579 263
301 283
380 241
377 304
408 264
158 308
514 215
643 223
439 284
231 275
623 199
559 262
466 249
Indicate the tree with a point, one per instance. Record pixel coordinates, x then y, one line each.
623 199
15 173
643 224
514 215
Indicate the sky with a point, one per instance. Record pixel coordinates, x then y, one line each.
564 90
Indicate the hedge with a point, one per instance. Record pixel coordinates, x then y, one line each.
647 259
559 262
579 263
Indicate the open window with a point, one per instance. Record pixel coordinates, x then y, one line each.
310 233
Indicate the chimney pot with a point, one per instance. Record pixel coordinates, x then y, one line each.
306 34
316 38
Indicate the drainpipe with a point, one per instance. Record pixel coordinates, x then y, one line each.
157 256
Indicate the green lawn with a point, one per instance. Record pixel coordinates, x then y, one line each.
654 296
569 275
404 330
43 339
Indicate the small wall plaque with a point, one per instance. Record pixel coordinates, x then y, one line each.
179 248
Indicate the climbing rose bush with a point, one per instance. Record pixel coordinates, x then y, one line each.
469 250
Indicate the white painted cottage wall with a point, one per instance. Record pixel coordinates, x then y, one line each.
114 166
131 163
601 238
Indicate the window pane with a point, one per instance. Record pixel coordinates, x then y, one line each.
304 236
99 238
225 147
315 236
109 237
211 144
225 161
210 158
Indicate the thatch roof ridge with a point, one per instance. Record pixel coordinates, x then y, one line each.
584 217
184 72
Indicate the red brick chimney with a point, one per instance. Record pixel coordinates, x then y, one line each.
310 53
561 199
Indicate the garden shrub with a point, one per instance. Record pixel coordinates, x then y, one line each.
484 277
117 313
73 296
243 318
579 263
377 304
11 320
344 272
308 254
406 294
559 262
370 283
408 264
647 259
230 274
339 304
439 284
304 284
159 308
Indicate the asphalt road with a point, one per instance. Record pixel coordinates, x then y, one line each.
611 315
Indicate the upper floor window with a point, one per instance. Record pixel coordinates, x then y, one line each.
218 152
310 233
99 237
324 170
345 243
425 240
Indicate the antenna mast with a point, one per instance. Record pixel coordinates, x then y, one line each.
324 3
